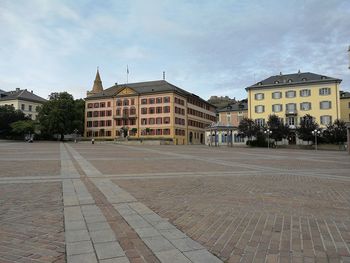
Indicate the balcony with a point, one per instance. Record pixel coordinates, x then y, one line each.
291 112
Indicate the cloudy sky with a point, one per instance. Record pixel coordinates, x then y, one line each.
206 47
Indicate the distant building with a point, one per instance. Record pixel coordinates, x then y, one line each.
345 106
23 100
146 110
225 131
292 96
221 101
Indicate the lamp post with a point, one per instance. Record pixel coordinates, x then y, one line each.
268 132
316 133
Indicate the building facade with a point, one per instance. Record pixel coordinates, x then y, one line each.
345 106
293 96
23 100
147 110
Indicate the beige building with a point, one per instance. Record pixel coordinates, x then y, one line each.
345 106
147 110
23 100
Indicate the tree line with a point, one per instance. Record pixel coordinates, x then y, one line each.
60 115
334 133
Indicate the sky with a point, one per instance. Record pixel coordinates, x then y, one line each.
206 47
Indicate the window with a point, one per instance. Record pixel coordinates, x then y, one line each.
159 120
151 101
277 108
143 101
166 131
108 104
166 109
305 93
349 105
326 119
144 121
132 102
102 104
325 91
166 120
151 110
102 123
89 114
259 96
22 107
291 107
166 99
132 111
291 121
117 112
90 105
324 105
158 131
260 122
119 103
125 102
96 105
290 94
305 106
151 121
108 112
159 100
277 95
159 109
30 107
108 123
95 113
143 110
259 109
102 113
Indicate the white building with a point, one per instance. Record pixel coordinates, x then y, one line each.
23 100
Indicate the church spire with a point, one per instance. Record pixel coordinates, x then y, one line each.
97 87
97 83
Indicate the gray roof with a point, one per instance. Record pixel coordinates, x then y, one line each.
293 79
21 95
148 87
344 95
238 106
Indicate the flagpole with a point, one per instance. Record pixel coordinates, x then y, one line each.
127 74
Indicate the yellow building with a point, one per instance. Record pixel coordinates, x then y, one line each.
146 110
23 100
345 106
294 95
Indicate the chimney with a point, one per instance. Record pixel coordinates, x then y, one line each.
163 75
18 89
31 91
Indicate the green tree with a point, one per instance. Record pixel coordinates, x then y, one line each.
336 132
9 115
307 125
278 129
248 128
61 115
23 127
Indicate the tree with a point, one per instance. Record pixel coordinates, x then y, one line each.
61 115
278 129
9 115
307 125
248 128
23 127
336 132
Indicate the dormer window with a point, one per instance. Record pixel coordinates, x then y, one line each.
259 83
276 82
323 77
289 80
303 79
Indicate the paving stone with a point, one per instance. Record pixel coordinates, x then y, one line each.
77 235
86 258
186 244
173 256
109 250
104 235
81 247
201 256
147 232
115 260
75 225
158 243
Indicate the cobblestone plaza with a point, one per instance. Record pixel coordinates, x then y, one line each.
62 202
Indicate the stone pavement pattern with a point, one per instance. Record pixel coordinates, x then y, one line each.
114 203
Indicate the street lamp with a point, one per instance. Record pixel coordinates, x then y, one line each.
316 133
268 132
